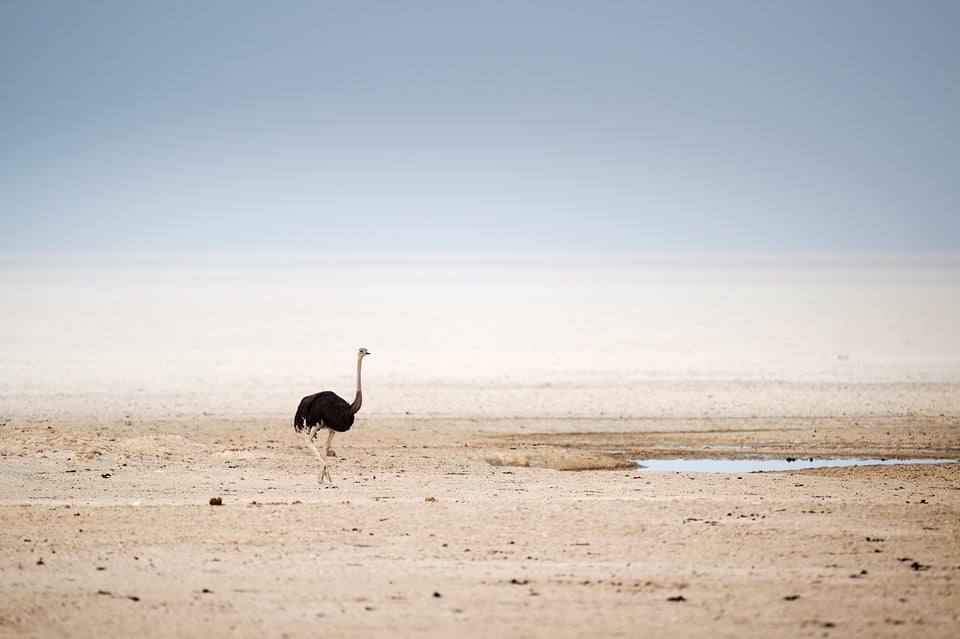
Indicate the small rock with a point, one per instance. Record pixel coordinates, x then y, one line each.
216 501
430 499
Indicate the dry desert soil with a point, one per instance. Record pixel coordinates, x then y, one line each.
441 527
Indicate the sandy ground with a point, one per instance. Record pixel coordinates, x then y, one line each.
437 527
486 488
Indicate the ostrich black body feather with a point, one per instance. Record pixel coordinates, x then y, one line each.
326 409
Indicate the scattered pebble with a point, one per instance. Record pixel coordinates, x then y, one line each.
430 499
216 501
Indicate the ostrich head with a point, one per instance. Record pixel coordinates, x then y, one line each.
363 352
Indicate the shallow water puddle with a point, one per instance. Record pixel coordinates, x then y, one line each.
761 465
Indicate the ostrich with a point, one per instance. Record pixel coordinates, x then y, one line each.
327 411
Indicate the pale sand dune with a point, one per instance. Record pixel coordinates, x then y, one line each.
132 393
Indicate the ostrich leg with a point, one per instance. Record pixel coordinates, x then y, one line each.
326 449
324 472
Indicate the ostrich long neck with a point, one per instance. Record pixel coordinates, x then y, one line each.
358 400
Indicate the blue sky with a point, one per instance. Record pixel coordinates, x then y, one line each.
480 126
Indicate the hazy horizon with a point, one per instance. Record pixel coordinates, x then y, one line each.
438 127
266 331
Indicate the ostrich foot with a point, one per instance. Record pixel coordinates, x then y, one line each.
324 472
331 452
